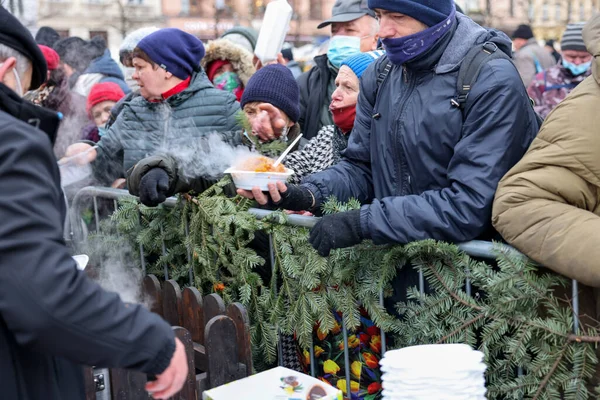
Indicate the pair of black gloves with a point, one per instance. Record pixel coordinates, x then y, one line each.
335 231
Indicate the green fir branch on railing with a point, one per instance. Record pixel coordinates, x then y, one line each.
514 316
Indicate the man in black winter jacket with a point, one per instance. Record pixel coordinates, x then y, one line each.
53 319
353 29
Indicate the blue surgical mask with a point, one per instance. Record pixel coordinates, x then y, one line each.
342 47
101 131
577 70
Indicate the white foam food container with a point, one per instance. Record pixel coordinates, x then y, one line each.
248 179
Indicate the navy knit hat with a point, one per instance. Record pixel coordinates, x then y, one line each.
174 50
429 12
276 85
358 63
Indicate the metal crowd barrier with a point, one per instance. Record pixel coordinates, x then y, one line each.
479 249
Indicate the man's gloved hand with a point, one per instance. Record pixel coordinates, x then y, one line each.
154 187
336 231
280 195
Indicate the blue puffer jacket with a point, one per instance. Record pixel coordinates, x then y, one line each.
145 128
419 169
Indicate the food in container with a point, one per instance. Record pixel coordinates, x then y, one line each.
258 172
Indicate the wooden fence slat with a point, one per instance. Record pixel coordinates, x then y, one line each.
240 318
221 351
90 385
171 299
127 385
193 314
151 286
188 392
213 305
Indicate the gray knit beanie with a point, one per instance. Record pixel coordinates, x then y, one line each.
572 39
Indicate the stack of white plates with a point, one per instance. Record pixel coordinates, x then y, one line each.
441 372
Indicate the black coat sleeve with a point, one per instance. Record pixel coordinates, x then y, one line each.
46 303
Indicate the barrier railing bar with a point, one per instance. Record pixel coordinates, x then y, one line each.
96 215
346 359
312 358
383 338
274 288
164 252
189 251
142 258
575 295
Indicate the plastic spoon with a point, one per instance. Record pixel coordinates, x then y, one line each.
285 153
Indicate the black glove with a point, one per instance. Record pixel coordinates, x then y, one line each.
336 231
296 198
154 187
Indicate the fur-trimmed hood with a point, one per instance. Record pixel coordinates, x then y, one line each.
240 58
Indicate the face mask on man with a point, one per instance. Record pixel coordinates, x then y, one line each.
342 47
577 70
132 83
19 88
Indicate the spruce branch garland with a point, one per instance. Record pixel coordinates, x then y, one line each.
514 318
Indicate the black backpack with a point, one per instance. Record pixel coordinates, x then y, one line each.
468 73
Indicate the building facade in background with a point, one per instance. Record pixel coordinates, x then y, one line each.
209 19
547 17
111 19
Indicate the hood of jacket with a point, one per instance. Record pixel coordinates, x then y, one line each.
591 37
105 65
240 58
468 34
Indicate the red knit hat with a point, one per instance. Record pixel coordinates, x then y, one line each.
106 91
51 56
211 69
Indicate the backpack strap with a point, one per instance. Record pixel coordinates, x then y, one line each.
383 73
470 69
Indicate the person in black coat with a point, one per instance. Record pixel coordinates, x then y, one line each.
53 318
353 30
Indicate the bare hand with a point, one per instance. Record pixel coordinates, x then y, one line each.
119 183
302 213
172 379
258 64
269 123
275 191
84 152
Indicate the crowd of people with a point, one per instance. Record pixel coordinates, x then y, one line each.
513 158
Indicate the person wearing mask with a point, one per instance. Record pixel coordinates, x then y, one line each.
288 58
126 53
554 84
177 106
421 168
103 97
530 58
53 318
548 205
549 47
353 30
228 66
325 149
56 95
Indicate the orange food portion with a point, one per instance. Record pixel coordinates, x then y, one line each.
261 164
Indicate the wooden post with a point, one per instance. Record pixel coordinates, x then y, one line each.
189 388
172 303
151 288
221 351
240 318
